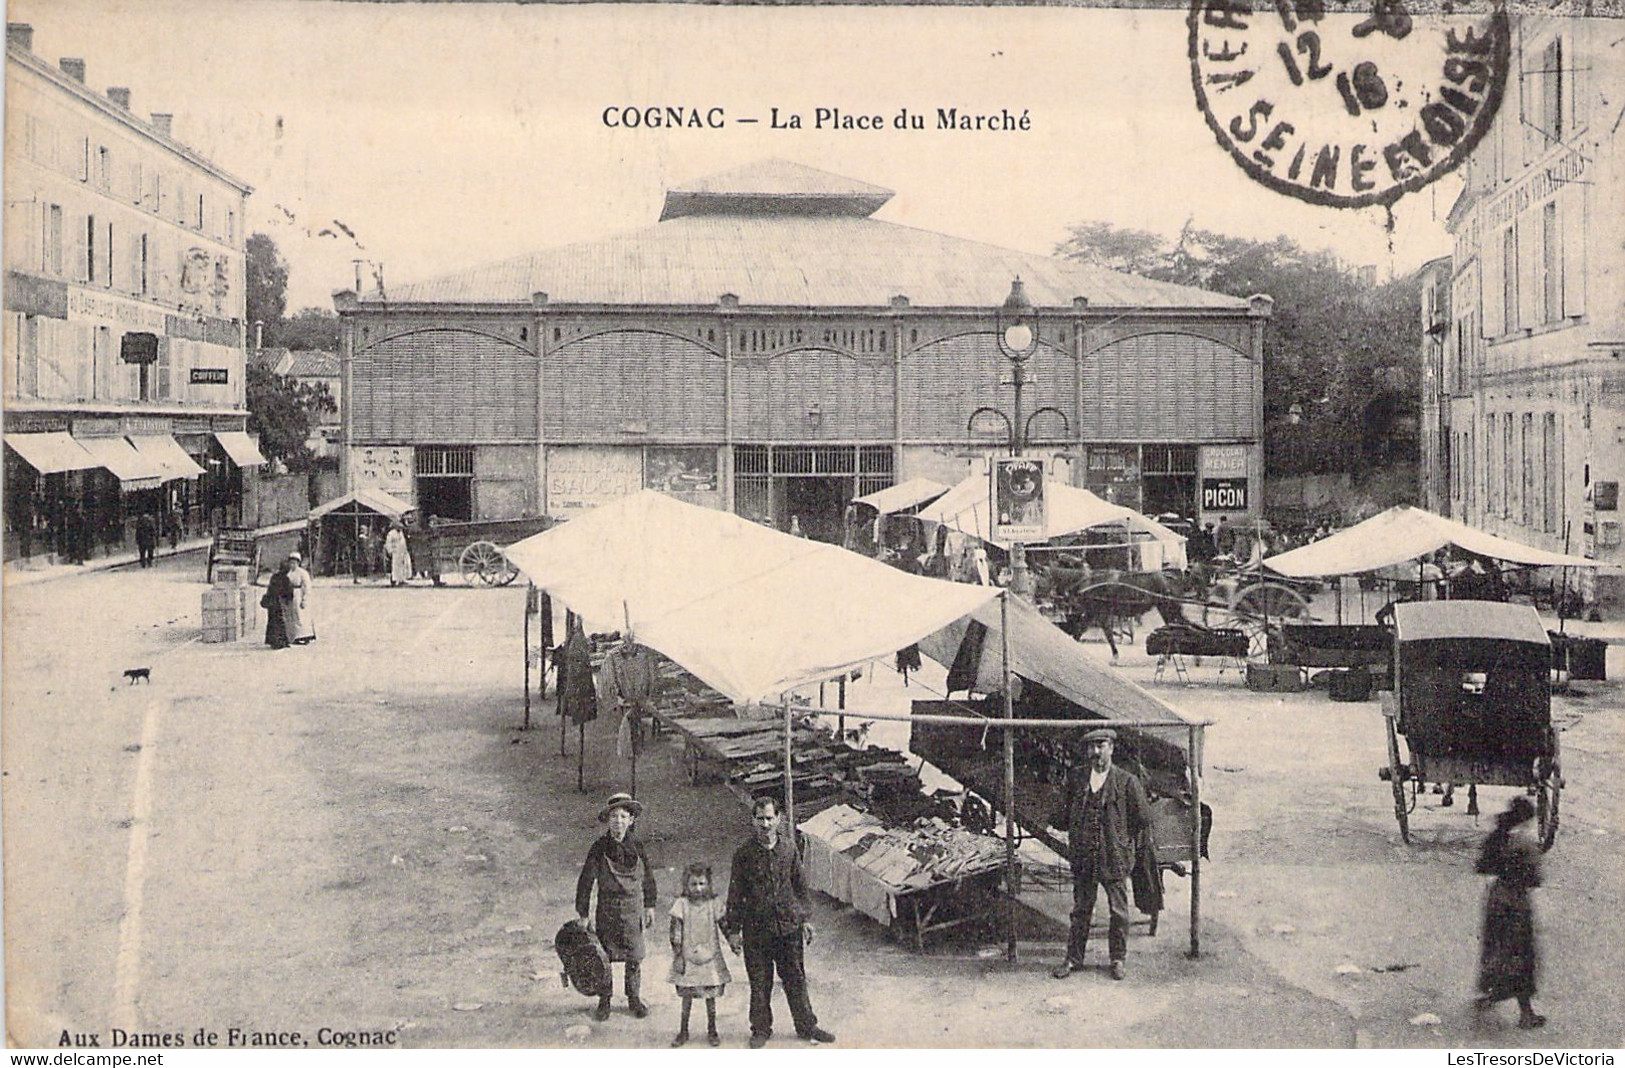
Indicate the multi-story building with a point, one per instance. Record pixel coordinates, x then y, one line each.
769 348
124 310
1536 389
1434 438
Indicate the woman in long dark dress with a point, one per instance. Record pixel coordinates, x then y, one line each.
278 591
1508 961
619 868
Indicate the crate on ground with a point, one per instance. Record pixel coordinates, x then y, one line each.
1274 678
222 614
233 574
250 603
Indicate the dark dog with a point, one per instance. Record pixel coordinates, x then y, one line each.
136 675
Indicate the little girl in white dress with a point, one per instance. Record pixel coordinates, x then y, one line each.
697 967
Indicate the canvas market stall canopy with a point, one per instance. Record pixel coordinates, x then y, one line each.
748 610
339 522
1067 510
903 496
1404 534
755 613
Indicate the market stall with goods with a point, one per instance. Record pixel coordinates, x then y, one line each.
757 615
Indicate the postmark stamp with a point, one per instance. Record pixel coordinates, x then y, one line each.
1342 107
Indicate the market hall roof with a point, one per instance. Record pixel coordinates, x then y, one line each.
801 238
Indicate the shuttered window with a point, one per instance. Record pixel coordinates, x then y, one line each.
444 386
1171 387
633 384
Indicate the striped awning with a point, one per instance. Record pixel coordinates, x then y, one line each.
168 454
52 452
240 447
133 470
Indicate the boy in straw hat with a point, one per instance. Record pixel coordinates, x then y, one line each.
617 865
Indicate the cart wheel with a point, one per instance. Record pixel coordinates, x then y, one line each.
1396 780
482 562
1271 600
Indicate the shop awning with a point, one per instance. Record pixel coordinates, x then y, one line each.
133 470
240 447
167 453
1402 534
52 452
903 496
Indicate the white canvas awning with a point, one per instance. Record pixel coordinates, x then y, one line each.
903 496
52 452
1067 510
240 447
374 500
754 612
1043 653
1403 534
167 453
750 611
133 470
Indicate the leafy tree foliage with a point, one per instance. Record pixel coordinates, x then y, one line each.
267 282
310 328
281 410
1343 351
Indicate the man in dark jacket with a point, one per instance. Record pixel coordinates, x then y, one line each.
767 912
1105 813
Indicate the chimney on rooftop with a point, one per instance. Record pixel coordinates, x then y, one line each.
120 96
162 121
20 34
73 68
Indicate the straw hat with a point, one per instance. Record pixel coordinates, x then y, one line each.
620 801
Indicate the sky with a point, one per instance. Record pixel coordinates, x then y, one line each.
446 136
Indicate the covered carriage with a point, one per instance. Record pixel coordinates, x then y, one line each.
1472 701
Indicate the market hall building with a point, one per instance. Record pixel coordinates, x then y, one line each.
769 348
123 328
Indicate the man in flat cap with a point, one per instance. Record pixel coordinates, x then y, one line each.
1104 815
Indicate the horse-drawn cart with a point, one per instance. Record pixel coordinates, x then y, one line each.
471 549
1472 698
260 548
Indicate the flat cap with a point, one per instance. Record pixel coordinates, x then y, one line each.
1102 734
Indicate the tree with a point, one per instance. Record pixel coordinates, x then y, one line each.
281 410
1343 352
267 282
310 328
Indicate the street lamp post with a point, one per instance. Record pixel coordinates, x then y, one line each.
1018 340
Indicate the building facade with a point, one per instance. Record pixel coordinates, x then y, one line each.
124 309
769 348
1433 469
1532 373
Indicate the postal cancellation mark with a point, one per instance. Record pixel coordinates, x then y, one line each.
1345 109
